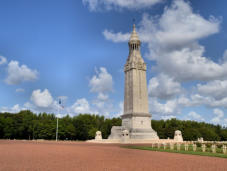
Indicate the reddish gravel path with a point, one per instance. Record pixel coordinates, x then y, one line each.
47 155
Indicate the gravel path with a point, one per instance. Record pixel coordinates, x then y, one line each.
50 155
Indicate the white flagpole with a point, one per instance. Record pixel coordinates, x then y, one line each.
57 124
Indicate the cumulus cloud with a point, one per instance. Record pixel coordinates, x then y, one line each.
101 82
3 60
116 4
219 114
211 94
81 106
170 107
163 87
195 116
216 89
173 42
42 99
15 109
116 37
18 74
102 97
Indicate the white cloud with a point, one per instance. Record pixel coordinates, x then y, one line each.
163 87
167 117
172 40
18 90
197 100
15 109
101 82
212 94
170 107
42 99
3 60
216 89
18 74
102 97
81 106
195 116
116 37
219 114
116 4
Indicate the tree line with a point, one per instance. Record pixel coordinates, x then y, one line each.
28 125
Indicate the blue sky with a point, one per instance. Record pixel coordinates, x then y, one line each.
76 50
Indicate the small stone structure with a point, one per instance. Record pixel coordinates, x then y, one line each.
200 140
125 136
224 149
98 135
204 147
186 146
178 146
178 136
213 148
194 146
164 146
172 146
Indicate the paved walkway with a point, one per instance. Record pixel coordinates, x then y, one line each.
47 155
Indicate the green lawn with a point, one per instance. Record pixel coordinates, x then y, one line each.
198 151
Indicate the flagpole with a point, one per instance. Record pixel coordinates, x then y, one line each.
57 125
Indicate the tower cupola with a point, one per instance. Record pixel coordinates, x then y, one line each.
134 41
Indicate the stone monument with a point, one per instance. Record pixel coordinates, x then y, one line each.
136 119
98 135
178 136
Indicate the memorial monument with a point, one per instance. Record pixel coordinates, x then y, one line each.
136 119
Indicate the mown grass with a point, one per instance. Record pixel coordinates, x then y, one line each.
182 151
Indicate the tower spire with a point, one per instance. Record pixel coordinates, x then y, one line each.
134 36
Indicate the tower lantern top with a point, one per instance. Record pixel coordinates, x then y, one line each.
134 36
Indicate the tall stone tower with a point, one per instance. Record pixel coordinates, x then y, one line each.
136 118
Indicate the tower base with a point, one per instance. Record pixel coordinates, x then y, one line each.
143 133
117 132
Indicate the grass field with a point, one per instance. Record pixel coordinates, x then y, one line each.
182 151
